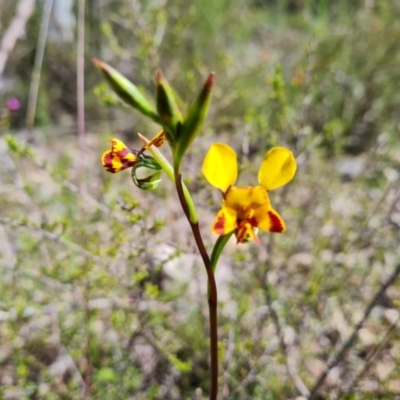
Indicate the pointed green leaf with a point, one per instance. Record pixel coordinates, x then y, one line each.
170 115
194 119
126 90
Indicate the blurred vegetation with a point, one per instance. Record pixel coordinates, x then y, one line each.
101 280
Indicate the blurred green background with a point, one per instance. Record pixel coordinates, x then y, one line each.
100 284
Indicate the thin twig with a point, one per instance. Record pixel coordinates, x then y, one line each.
37 66
228 357
300 385
74 188
15 30
80 80
290 368
392 208
347 345
19 183
352 384
54 237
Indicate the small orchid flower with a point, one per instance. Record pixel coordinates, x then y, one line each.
145 169
121 157
244 209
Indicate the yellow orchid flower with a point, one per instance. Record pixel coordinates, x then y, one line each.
121 157
245 209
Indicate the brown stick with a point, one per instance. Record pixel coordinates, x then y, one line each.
15 30
37 66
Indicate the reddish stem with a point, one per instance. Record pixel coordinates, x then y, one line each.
212 292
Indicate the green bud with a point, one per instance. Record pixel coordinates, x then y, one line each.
146 173
170 115
126 90
194 119
149 162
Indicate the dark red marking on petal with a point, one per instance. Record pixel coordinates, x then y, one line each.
122 153
219 225
107 159
158 141
252 221
240 234
107 162
128 163
243 235
276 223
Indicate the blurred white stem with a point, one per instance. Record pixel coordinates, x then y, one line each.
80 79
15 30
37 67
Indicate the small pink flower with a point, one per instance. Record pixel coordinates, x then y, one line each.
13 104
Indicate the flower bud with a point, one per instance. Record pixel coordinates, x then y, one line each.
170 115
194 119
126 90
146 173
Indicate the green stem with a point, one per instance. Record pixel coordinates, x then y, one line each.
218 247
169 171
190 211
212 291
217 250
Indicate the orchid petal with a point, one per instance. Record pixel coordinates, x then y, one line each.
277 169
269 220
225 221
247 197
157 140
220 166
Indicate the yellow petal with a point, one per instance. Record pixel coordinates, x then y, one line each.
277 169
225 221
269 220
250 197
220 166
117 145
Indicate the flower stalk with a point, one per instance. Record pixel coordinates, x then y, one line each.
244 210
212 296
